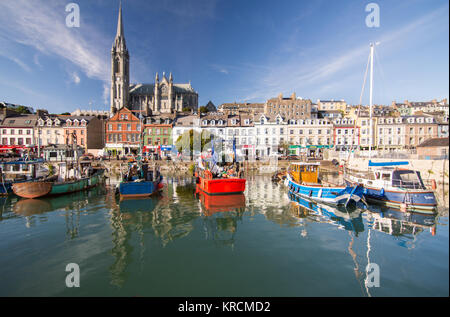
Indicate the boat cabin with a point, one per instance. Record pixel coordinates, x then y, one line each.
304 172
399 177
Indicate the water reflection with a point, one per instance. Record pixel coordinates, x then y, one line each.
405 226
221 216
134 238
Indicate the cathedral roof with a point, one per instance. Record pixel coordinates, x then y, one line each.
149 89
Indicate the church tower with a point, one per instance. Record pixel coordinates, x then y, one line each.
120 69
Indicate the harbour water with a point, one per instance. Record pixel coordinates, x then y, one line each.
175 244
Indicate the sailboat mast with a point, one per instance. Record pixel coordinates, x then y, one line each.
371 101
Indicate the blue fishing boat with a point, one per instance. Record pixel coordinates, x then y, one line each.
303 180
140 181
388 184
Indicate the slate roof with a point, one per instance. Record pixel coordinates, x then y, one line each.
434 142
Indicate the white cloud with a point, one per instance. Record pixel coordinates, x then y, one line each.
41 25
105 95
75 78
294 73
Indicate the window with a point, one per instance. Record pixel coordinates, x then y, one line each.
128 126
28 141
110 127
119 127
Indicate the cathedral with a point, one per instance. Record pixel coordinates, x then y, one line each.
163 96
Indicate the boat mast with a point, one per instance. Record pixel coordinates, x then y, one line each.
371 100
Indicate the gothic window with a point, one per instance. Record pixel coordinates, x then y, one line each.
116 65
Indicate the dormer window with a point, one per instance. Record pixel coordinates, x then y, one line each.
205 122
233 121
213 122
247 121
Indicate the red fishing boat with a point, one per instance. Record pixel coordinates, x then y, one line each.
209 185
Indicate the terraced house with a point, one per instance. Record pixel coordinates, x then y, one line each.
17 131
158 134
123 132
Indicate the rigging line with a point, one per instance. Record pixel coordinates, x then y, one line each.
359 105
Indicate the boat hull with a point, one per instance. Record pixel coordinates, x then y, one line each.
409 200
40 189
221 186
78 185
333 195
32 189
138 189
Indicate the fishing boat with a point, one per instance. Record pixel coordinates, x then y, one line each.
210 185
219 180
36 189
20 171
388 184
303 181
140 181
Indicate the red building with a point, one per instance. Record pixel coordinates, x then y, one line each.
123 132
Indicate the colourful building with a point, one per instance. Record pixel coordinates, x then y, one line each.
158 134
123 132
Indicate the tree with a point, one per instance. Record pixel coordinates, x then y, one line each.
65 114
204 135
22 109
285 146
203 109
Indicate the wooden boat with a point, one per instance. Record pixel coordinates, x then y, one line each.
23 171
143 182
395 187
32 189
303 180
36 189
209 185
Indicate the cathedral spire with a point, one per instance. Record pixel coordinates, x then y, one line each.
119 42
119 22
120 68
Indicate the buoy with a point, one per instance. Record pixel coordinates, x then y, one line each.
160 185
433 184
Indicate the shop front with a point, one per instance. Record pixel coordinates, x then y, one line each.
114 150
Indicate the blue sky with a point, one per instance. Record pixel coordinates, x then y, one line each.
230 50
